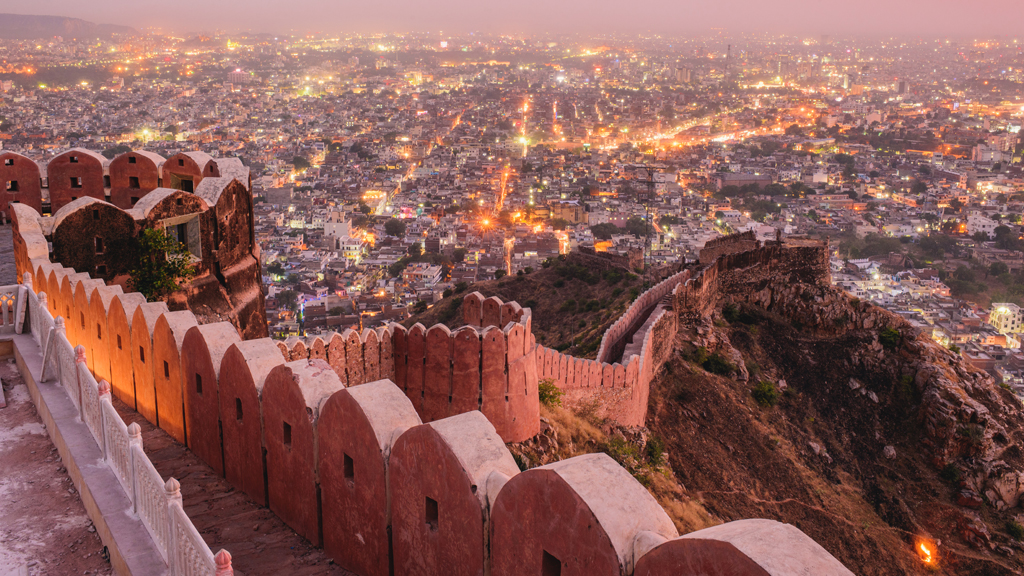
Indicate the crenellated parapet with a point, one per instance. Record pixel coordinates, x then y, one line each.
387 446
215 224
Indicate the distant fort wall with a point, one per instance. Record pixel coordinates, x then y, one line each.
387 447
617 385
730 244
632 260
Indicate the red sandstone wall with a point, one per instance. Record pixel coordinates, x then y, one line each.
168 338
202 353
143 327
99 314
358 427
87 171
122 352
478 508
182 165
424 467
244 371
292 397
697 556
613 341
22 174
122 170
538 513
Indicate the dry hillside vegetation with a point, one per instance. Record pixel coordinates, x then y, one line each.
830 428
573 305
828 433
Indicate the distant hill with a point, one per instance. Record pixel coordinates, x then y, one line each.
26 27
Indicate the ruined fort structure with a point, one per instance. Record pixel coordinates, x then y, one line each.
99 207
388 446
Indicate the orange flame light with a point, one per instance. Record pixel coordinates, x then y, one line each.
925 553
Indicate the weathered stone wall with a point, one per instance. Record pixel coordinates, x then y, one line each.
80 227
132 176
750 272
19 183
348 464
631 261
77 173
96 237
731 244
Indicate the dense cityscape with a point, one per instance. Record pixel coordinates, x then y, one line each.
391 168
392 175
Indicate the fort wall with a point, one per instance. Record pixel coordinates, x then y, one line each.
95 236
730 244
420 415
631 261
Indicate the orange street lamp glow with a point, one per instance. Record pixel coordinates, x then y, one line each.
925 553
486 222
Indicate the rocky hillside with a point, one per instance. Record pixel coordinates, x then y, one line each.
28 27
573 304
799 404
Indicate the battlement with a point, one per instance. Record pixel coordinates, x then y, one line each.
354 436
632 260
733 243
215 224
326 454
122 181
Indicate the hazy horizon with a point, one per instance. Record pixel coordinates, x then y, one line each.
802 17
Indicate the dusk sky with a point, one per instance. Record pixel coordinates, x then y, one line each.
810 17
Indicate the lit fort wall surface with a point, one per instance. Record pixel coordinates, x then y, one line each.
387 446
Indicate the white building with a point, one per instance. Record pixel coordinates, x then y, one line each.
976 223
337 226
1006 318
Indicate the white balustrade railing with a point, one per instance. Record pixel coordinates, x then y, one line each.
90 391
189 554
67 367
157 503
151 499
118 440
11 308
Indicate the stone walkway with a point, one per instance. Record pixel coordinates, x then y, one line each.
43 525
8 273
259 542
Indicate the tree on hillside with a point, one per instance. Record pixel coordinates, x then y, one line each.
288 299
161 265
605 230
638 227
394 227
997 269
109 153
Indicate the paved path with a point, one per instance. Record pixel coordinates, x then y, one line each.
8 273
43 524
259 542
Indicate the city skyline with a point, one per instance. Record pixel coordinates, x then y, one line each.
801 17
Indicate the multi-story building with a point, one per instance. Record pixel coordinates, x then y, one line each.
1007 318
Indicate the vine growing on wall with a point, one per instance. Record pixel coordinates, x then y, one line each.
161 265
